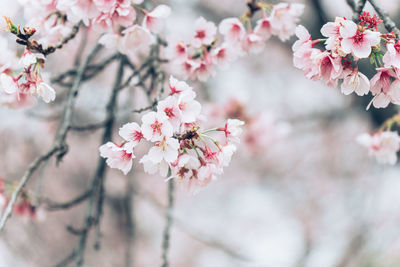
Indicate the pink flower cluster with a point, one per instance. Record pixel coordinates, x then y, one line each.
261 132
23 207
180 148
198 57
346 44
134 38
383 145
18 88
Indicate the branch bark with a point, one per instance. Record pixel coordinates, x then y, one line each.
59 147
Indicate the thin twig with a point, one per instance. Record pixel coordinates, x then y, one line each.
51 205
389 24
168 224
97 196
59 146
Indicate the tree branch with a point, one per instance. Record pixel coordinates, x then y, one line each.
168 224
389 24
59 147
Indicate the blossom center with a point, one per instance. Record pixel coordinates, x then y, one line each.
201 34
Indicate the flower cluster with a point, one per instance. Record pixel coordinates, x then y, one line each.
180 148
346 44
19 88
23 207
261 132
135 39
383 145
198 57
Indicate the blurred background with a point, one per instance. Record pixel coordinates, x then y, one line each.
299 192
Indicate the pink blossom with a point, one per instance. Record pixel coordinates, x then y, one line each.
383 91
154 20
45 91
178 86
308 60
204 32
332 31
392 56
223 55
382 145
178 52
203 71
283 19
170 107
263 28
117 157
226 153
190 109
152 168
165 149
79 10
135 38
330 68
233 129
355 82
253 43
132 133
155 126
232 29
304 40
28 58
114 14
357 42
8 84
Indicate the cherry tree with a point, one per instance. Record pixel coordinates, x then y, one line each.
173 131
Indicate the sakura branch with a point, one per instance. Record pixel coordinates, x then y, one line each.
183 150
346 44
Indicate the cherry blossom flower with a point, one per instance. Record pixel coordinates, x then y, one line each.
132 133
8 84
178 52
178 86
304 41
153 20
330 68
263 28
117 157
224 55
392 56
253 43
29 58
332 31
233 129
355 82
166 149
383 90
114 13
232 29
135 38
204 32
382 145
155 126
170 107
152 168
45 91
190 109
357 42
283 19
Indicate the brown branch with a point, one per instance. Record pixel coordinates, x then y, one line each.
389 24
168 224
59 147
34 46
97 196
52 205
